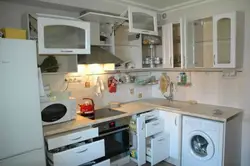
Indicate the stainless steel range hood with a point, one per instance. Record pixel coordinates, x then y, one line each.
98 55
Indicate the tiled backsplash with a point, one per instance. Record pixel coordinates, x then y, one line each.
78 90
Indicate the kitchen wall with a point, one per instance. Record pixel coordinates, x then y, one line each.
11 16
211 88
79 91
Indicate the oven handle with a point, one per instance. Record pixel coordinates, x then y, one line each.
112 132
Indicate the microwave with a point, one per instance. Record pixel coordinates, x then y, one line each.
58 111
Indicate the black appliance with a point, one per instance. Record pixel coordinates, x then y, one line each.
116 136
103 113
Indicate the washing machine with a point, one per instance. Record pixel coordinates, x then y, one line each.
202 142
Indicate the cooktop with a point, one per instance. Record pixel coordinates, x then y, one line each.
103 113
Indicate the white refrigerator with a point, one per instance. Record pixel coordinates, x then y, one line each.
21 135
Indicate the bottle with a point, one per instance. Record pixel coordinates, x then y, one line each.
179 78
184 78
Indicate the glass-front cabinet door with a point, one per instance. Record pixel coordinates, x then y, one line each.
63 36
224 40
203 43
142 21
173 44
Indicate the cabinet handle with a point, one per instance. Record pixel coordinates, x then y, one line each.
142 127
170 61
150 116
214 59
5 61
161 139
175 121
82 151
156 124
66 51
76 138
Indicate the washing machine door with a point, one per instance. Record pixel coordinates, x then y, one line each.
201 145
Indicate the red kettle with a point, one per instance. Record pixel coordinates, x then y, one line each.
88 107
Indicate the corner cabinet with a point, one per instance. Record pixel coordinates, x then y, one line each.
63 35
142 21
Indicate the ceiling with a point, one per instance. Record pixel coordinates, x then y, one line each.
159 5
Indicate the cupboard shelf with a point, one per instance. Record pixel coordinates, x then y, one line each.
173 70
211 41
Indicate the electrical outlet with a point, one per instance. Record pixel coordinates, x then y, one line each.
140 95
132 91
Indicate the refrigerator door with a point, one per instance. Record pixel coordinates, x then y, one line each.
33 158
20 116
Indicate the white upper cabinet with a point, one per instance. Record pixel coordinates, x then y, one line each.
212 42
142 21
59 35
173 37
224 40
188 43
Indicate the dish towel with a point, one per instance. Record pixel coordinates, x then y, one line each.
99 87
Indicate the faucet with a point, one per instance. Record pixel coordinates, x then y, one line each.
171 94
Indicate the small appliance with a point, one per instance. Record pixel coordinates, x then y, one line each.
58 111
88 107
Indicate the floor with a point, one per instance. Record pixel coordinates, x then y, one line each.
160 164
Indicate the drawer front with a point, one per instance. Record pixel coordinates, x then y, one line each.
154 127
104 163
79 155
151 115
60 140
160 148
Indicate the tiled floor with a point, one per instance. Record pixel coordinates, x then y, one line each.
160 164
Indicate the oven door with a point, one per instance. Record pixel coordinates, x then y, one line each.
116 142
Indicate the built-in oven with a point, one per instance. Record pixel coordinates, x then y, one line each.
116 137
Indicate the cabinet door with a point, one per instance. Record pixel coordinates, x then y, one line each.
141 140
142 21
188 43
63 36
172 127
224 40
174 44
167 45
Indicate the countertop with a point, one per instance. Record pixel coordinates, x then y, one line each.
197 110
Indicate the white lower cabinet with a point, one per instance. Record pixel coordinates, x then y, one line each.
158 148
103 163
172 127
79 155
63 139
152 143
153 127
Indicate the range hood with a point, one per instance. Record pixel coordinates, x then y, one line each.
98 55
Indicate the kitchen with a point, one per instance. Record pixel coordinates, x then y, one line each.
208 87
